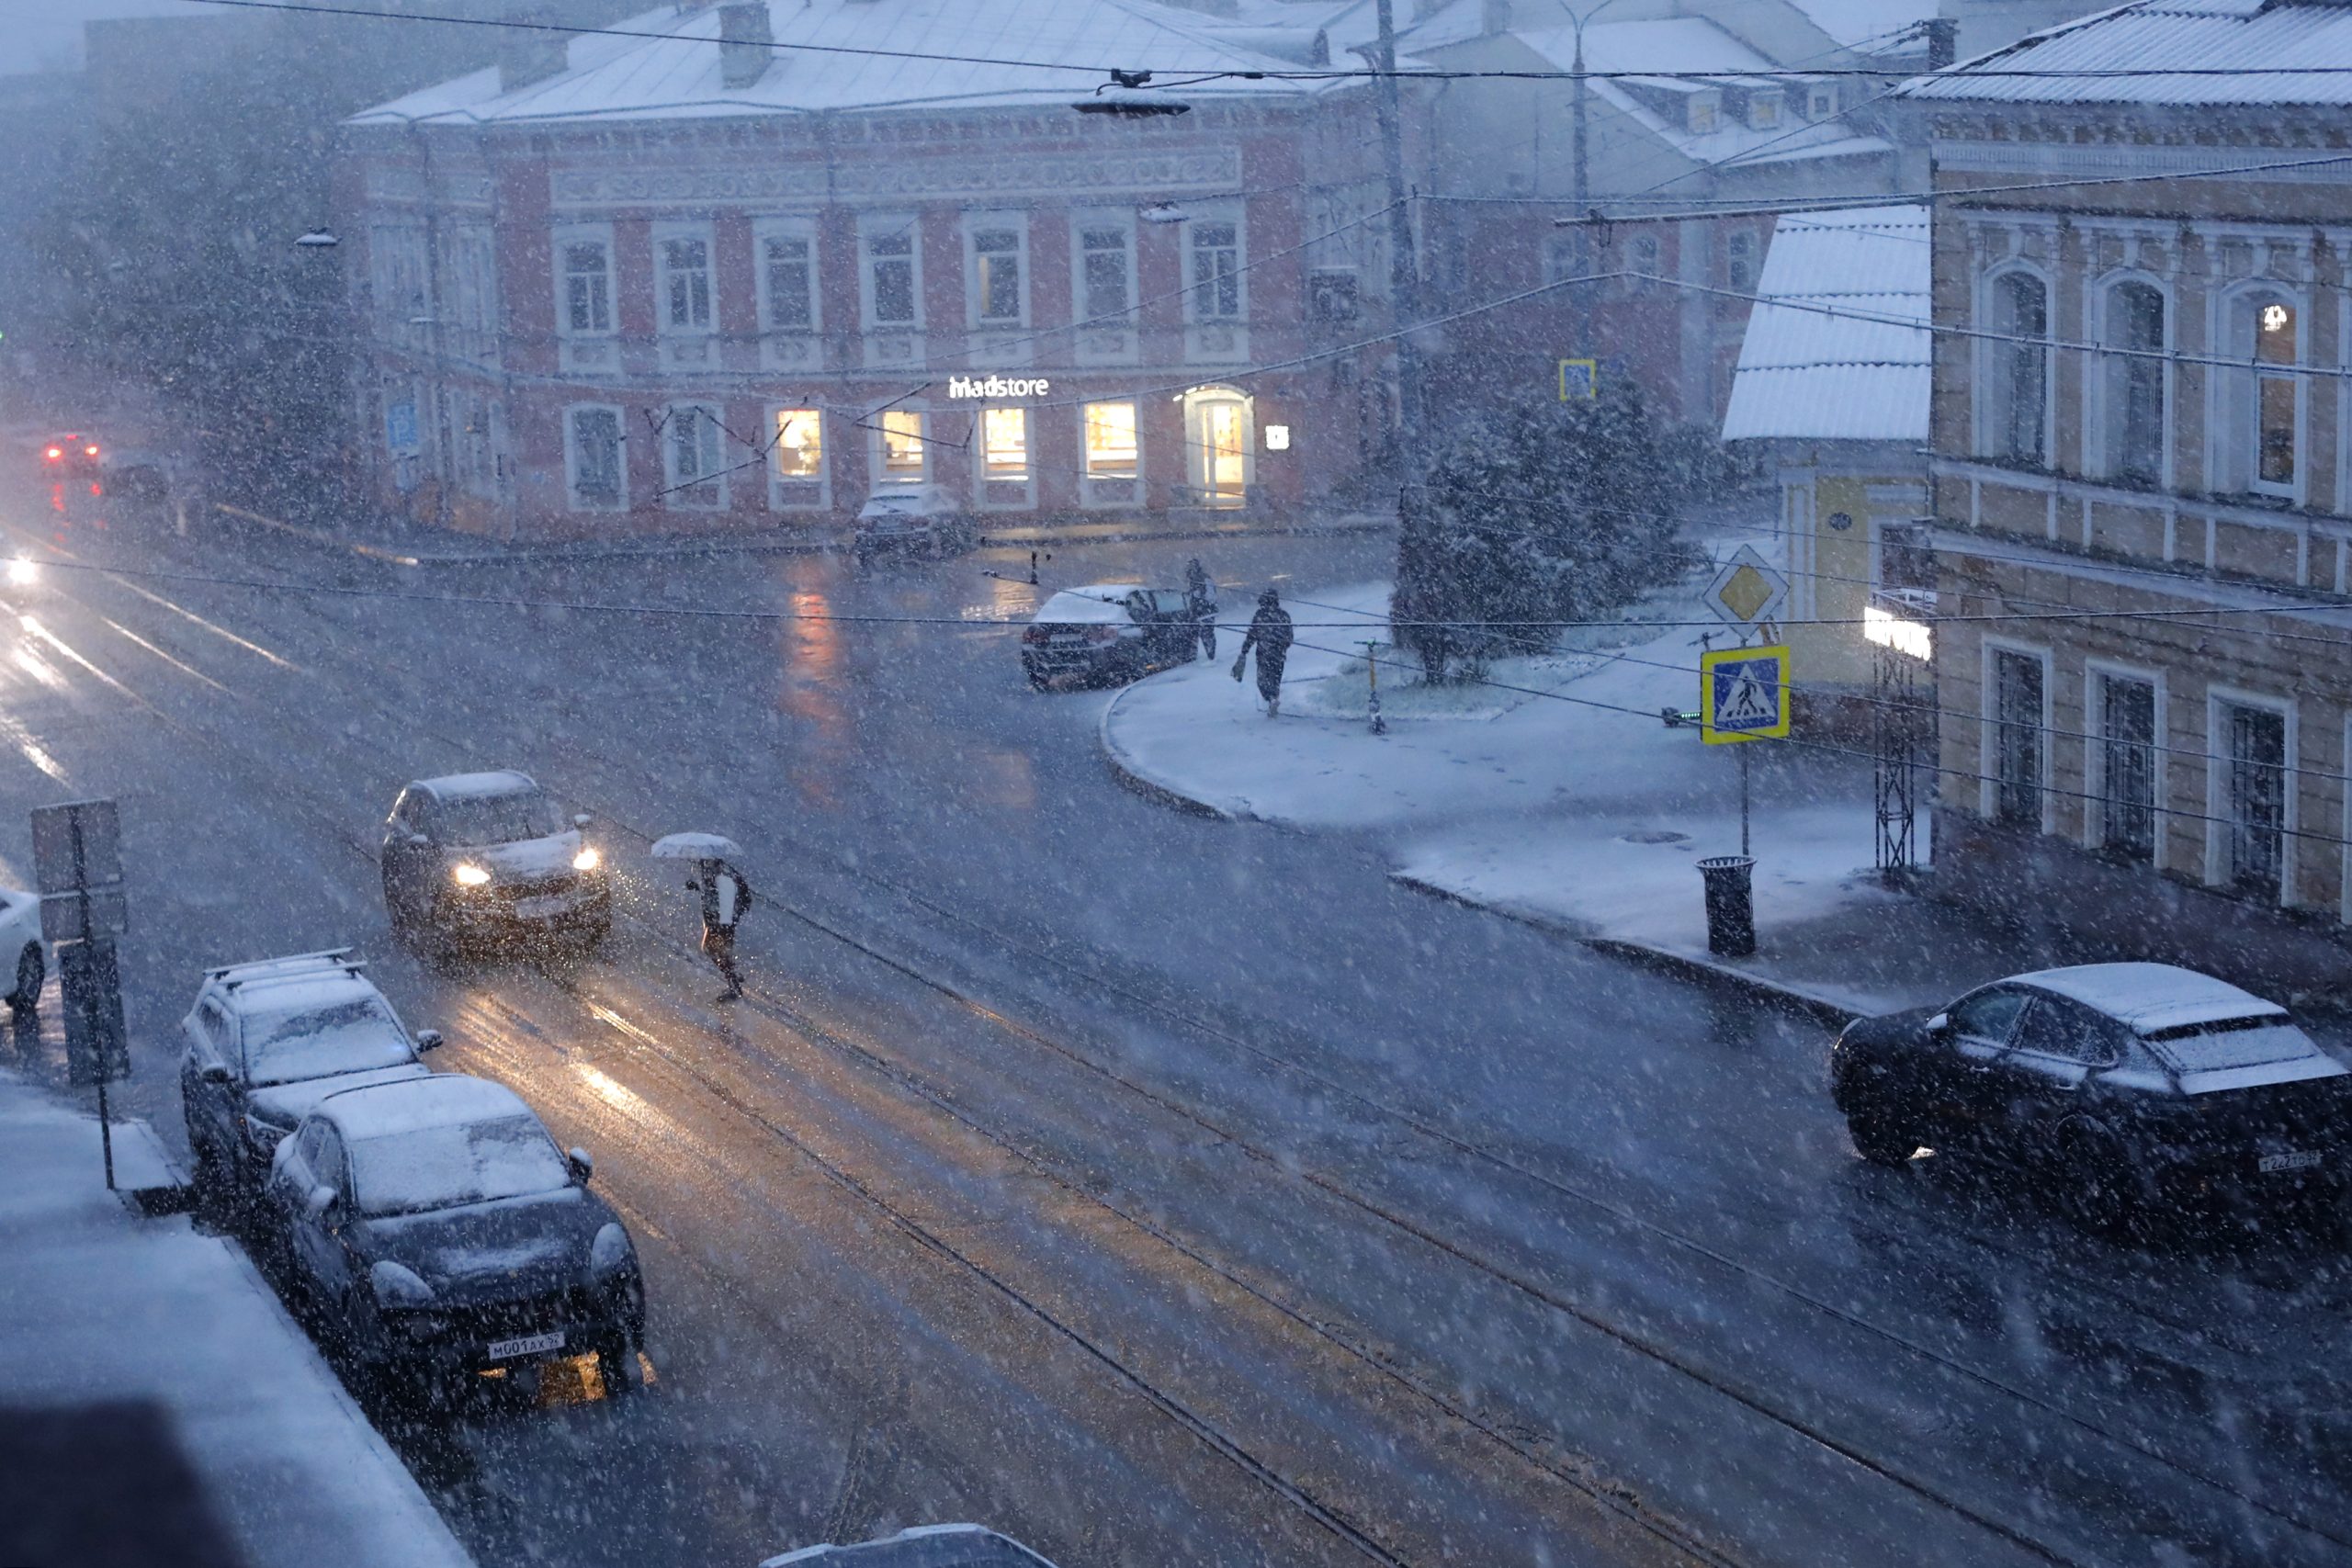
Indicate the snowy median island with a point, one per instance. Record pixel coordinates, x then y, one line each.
1537 794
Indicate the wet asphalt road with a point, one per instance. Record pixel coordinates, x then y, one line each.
1157 1189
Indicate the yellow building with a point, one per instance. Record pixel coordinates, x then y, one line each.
1833 384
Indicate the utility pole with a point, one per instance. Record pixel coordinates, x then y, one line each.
1414 563
1581 119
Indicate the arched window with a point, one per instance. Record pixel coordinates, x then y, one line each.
2134 391
2274 328
2018 364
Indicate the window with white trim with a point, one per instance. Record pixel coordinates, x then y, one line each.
2126 759
1740 260
1004 446
682 282
1000 270
892 281
2134 388
595 460
1213 263
2269 395
2250 743
788 277
797 460
2020 693
584 279
694 460
1111 449
902 446
2017 369
1106 270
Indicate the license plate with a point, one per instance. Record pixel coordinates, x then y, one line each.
2293 1159
544 905
528 1345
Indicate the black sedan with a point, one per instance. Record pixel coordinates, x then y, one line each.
2116 1086
439 1234
1108 631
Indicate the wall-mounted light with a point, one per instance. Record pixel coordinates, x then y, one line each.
1278 438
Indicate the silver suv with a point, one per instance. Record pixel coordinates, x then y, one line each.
265 1041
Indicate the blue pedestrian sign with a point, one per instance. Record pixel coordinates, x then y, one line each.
1743 695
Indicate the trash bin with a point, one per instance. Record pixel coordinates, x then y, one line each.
1731 911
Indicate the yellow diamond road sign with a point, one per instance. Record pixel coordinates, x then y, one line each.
1743 695
1748 590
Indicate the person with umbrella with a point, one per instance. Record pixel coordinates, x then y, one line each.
1270 634
726 896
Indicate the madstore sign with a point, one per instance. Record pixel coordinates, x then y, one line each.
998 388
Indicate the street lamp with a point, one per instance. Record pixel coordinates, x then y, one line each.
316 239
1124 97
1580 176
1164 212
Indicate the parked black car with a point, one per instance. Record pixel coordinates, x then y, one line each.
265 1043
1107 631
488 857
2119 1086
439 1234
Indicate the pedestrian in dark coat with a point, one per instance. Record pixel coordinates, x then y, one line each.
725 896
1199 603
1269 635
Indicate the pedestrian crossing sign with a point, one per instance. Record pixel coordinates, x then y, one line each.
1743 695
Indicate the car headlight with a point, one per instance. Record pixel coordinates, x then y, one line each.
267 1136
610 1252
469 875
399 1286
587 859
22 573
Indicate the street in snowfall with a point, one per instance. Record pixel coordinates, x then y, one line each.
1086 783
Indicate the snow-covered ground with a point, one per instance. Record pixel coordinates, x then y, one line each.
1555 793
98 1306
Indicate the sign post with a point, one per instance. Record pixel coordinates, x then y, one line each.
1743 695
77 858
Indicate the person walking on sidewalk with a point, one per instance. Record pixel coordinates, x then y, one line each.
725 896
1199 603
1269 635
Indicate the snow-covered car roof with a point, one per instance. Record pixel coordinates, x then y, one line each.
439 1099
456 786
2152 997
1099 603
901 498
299 992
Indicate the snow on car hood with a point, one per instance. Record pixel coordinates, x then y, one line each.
288 1103
528 859
482 1251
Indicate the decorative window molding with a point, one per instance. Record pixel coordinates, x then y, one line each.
595 457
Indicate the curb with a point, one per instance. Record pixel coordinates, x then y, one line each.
1124 769
429 555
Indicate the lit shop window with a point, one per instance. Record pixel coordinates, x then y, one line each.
905 454
800 444
1111 451
1004 446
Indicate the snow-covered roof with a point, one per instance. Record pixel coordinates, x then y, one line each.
2076 63
1096 604
467 786
1695 49
1868 27
836 55
1804 374
409 1105
300 993
2150 997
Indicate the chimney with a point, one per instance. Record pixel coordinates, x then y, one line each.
1943 41
744 41
1494 16
531 54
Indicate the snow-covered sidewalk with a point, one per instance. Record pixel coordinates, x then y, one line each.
1566 800
152 1387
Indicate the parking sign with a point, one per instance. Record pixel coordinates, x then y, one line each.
1743 695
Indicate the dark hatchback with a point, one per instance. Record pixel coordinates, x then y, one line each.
438 1233
2120 1088
487 859
1107 631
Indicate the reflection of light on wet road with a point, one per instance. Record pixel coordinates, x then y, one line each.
59 643
218 631
1009 599
184 668
618 1095
41 669
21 738
812 673
1006 779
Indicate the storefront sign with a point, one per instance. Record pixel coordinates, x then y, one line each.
996 389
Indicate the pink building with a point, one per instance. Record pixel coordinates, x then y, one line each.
731 268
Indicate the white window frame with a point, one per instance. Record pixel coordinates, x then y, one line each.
2217 699
1016 223
876 471
883 225
1094 492
2233 415
676 489
572 501
1980 412
665 235
1081 309
980 481
1217 213
802 228
565 238
2099 412
798 494
1988 800
2095 671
